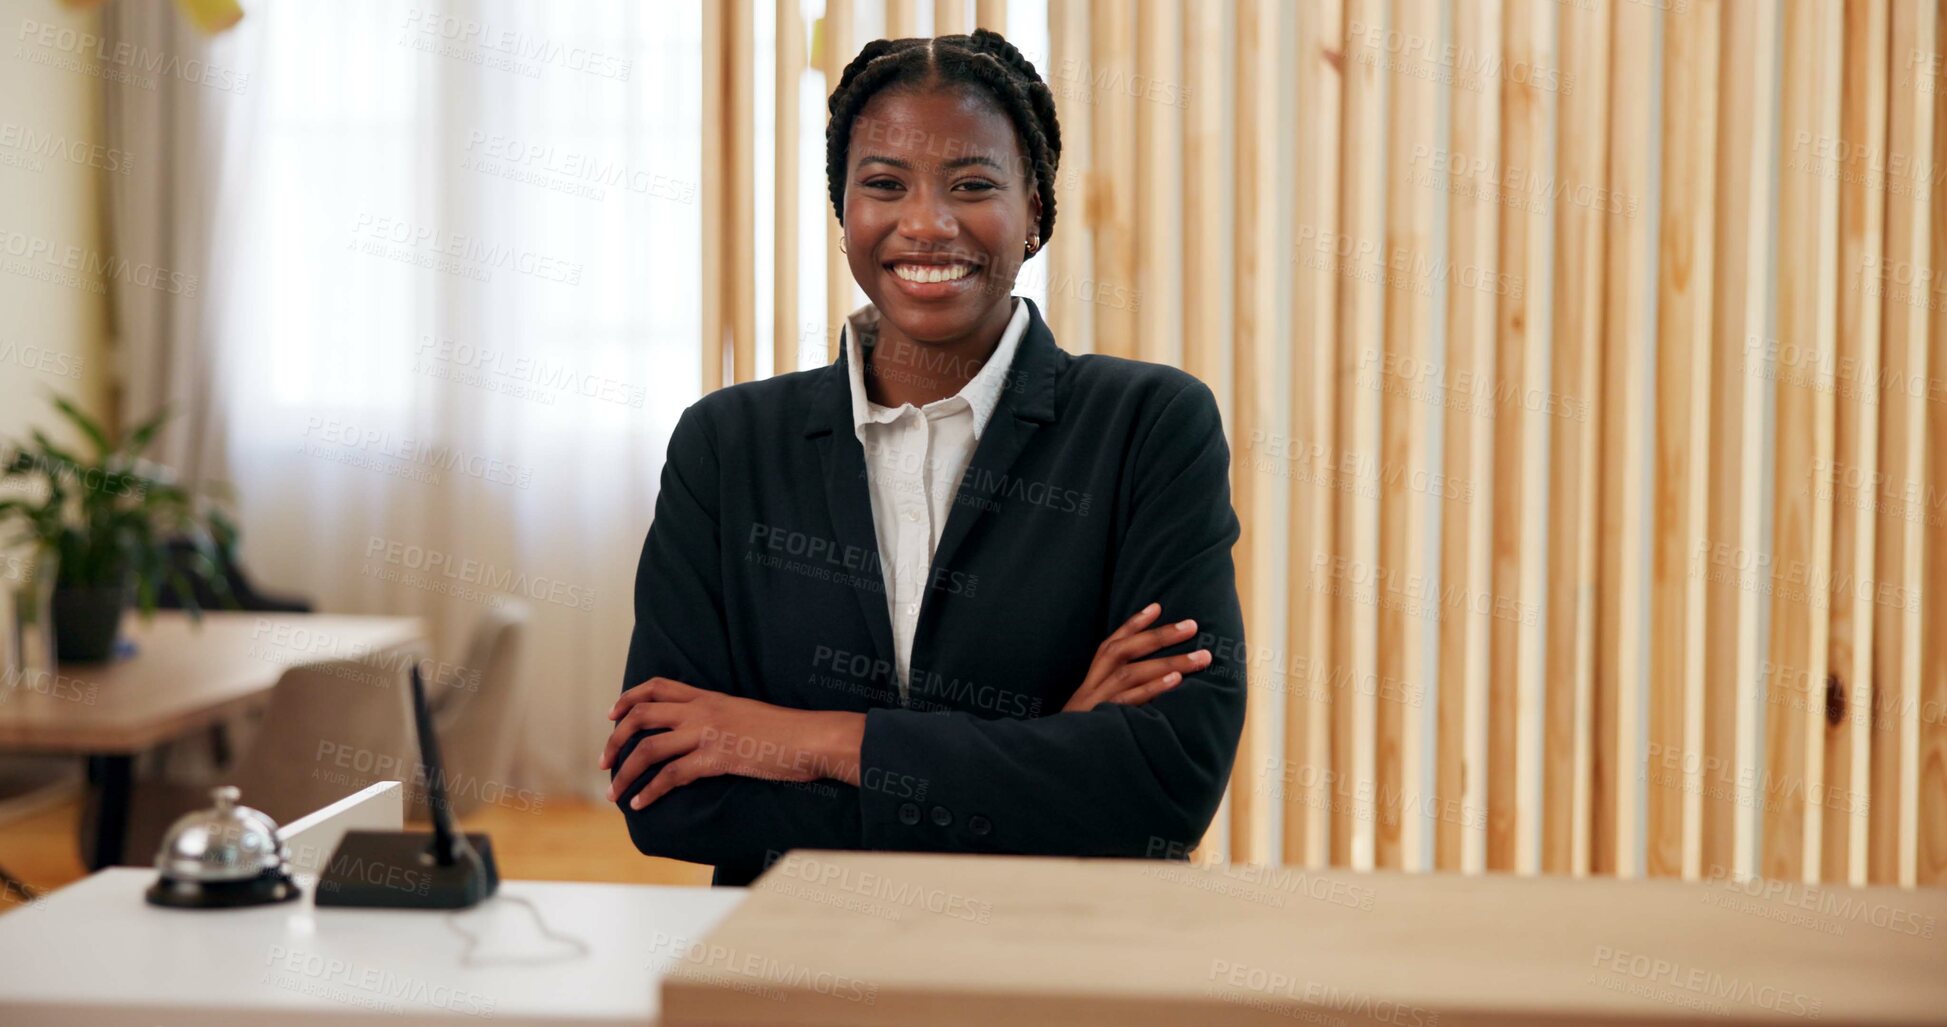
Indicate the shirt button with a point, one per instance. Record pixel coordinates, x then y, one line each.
908 814
942 816
912 609
979 824
912 515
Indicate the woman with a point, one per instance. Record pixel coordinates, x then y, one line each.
868 609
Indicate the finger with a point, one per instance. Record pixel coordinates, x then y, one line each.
1143 643
640 717
1138 696
1143 672
1143 618
675 775
653 690
657 748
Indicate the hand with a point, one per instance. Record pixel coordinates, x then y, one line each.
1118 675
707 733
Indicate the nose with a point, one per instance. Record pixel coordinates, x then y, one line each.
927 219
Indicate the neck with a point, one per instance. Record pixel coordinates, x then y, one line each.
901 370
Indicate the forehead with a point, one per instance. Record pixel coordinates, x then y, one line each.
932 124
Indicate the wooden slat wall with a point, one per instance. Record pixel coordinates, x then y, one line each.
1470 542
1305 673
1620 766
1356 254
1744 247
839 49
1404 454
1862 245
1574 418
1683 464
1515 730
1533 581
1795 703
785 330
1900 280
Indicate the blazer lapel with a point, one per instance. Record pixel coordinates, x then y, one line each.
1027 402
846 491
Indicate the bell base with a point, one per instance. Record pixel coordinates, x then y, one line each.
396 870
266 889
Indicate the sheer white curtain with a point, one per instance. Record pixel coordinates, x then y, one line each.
464 319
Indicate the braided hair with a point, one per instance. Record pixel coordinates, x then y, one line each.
984 61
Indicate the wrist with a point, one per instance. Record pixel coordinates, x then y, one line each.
837 738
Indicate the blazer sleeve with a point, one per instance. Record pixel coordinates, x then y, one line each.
680 633
1116 780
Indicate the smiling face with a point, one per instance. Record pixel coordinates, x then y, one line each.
938 206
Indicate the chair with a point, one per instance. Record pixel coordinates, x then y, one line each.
475 711
330 730
29 784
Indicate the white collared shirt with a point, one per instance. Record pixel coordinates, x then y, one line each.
914 458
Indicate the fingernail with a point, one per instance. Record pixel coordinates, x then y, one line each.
1186 625
1201 656
1151 608
1172 678
635 803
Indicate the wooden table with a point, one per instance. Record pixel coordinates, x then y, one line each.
185 676
874 938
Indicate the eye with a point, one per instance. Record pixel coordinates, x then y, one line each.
881 182
978 185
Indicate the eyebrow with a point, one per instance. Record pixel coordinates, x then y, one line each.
952 165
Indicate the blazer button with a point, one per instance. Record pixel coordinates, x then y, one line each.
979 824
942 816
908 814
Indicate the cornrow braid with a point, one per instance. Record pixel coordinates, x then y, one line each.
982 60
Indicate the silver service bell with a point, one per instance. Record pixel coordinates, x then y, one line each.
221 858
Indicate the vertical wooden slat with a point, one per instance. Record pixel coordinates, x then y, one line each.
902 19
1683 314
1315 215
1071 257
1513 742
1159 184
784 196
1862 240
1350 577
740 252
1808 259
1262 349
1581 229
1466 554
1901 282
838 52
1112 178
950 17
1405 507
1205 317
992 15
1744 218
1618 770
714 195
1926 511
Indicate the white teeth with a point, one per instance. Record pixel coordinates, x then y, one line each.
932 272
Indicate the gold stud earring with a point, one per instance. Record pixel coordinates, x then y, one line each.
1033 243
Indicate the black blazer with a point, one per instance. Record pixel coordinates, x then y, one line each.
1099 485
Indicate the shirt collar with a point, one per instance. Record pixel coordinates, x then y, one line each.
982 394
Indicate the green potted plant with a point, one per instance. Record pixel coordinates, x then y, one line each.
106 522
